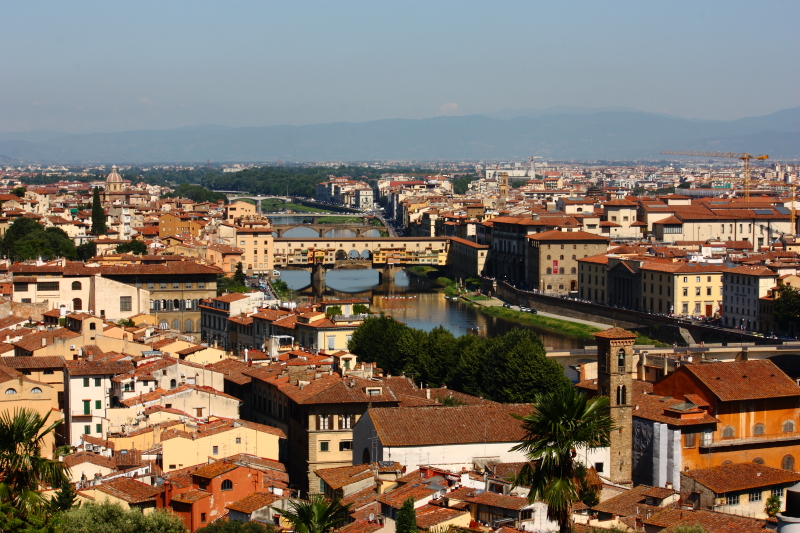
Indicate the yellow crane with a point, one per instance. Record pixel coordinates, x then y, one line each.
731 155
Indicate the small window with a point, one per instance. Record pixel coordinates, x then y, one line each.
345 445
324 446
203 518
777 492
690 440
728 432
758 429
238 440
758 461
98 404
176 284
87 430
98 429
76 285
598 467
788 426
215 450
11 391
125 303
98 382
788 463
755 496
732 499
36 390
85 382
227 484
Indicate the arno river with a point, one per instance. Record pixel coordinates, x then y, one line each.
415 302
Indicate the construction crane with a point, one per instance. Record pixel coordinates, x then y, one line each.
731 155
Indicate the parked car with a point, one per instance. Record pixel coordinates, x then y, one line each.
508 305
523 308
530 310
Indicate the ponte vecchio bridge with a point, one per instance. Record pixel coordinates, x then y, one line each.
385 254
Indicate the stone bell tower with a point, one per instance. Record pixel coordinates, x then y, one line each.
614 379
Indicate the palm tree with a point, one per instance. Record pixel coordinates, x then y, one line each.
560 423
315 516
23 470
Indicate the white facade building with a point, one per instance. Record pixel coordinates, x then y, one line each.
742 288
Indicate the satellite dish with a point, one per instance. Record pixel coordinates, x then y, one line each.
371 517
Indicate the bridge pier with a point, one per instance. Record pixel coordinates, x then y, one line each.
318 273
387 273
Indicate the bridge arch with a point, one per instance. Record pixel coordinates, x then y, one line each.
341 255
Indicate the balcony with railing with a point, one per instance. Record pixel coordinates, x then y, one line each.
80 413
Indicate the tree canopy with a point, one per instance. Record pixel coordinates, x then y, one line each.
509 368
198 193
407 518
787 307
27 239
112 518
131 247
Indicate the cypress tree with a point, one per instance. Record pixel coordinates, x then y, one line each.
407 518
98 215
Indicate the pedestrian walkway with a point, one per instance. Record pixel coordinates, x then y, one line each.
600 325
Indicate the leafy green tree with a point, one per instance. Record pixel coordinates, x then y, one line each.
407 518
515 368
559 424
86 250
234 526
132 247
64 498
333 310
27 239
281 289
438 356
112 518
19 192
375 340
787 307
98 215
198 193
229 284
360 309
239 276
773 505
23 470
315 516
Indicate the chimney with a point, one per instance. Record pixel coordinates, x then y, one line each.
44 341
428 393
245 354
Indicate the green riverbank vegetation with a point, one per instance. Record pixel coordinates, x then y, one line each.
509 368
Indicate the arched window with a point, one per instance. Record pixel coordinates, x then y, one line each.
549 287
11 391
562 270
176 325
758 429
548 258
227 484
36 390
549 271
573 270
189 327
173 384
76 285
365 458
788 426
758 461
621 359
562 257
727 462
622 394
788 462
176 304
728 432
77 304
163 305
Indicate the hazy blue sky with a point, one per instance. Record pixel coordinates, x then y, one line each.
109 66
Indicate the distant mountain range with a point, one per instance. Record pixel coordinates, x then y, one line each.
555 134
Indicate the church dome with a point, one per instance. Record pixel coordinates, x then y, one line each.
114 177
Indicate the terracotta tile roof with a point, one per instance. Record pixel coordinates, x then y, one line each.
253 502
91 368
33 342
339 477
752 271
741 476
358 500
97 441
744 380
88 457
416 491
429 516
616 333
419 426
501 501
215 469
233 370
130 490
710 521
361 526
659 492
25 362
159 393
628 503
191 496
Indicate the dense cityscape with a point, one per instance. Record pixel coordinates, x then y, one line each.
191 372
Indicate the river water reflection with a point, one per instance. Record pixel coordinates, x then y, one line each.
412 300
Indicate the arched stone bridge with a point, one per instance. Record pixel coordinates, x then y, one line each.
322 230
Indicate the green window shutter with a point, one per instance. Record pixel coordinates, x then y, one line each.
87 408
85 382
99 428
98 404
87 430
